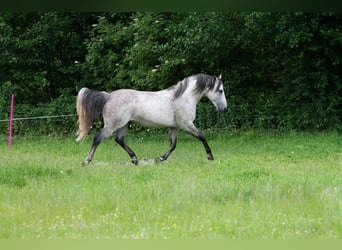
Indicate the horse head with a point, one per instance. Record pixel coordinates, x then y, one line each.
217 96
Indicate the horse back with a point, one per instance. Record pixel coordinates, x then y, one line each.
151 109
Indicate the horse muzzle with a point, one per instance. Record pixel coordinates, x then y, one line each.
221 109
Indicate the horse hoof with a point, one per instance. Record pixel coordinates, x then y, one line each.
210 157
135 160
159 159
85 162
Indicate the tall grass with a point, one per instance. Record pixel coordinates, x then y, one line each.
261 185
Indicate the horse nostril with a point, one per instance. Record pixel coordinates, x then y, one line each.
222 109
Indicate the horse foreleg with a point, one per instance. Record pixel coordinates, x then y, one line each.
191 129
104 133
202 138
173 143
120 139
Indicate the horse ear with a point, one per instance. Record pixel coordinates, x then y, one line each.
220 77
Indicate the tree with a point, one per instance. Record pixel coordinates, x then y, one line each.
279 69
155 50
43 51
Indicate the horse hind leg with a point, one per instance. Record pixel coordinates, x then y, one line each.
173 143
104 133
120 139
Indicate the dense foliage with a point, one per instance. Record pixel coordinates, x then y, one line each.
280 69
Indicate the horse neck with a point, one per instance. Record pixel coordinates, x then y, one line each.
191 95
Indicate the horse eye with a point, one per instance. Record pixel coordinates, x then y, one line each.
220 91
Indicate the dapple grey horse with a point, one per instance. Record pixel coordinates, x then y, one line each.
174 108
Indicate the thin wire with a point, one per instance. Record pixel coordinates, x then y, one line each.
38 117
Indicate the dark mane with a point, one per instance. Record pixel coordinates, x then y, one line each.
180 88
203 82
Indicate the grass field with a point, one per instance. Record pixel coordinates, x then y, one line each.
261 185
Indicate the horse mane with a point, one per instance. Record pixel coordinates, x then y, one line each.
180 88
203 82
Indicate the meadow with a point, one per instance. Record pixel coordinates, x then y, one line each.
261 185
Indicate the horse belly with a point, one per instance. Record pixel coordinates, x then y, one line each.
154 115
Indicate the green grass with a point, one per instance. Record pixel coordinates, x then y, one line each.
261 185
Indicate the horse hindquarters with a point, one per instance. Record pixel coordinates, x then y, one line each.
89 105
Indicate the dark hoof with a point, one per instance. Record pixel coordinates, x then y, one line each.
135 160
159 159
210 157
85 162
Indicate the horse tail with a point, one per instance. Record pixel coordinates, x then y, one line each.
89 105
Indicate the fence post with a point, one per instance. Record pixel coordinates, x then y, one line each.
11 124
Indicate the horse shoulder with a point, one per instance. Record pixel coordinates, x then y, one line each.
184 110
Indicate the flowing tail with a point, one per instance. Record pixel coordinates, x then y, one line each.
89 105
